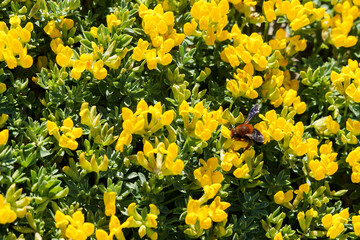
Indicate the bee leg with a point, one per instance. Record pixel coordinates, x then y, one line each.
249 144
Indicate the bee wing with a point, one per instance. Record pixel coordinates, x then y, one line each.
256 136
254 110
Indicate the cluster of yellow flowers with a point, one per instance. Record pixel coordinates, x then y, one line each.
244 84
211 17
137 123
53 28
159 26
146 223
278 128
338 27
204 215
203 122
135 220
354 130
299 15
206 175
115 228
239 161
347 83
326 126
4 136
6 213
287 46
248 9
354 161
93 165
335 223
158 157
326 165
284 199
250 50
275 127
160 160
197 212
69 133
306 218
12 49
73 227
253 52
279 88
356 224
66 57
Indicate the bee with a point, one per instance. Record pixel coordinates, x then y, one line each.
246 131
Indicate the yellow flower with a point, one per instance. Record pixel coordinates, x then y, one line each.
206 126
140 49
190 27
281 197
159 165
51 127
353 157
115 229
124 139
4 136
67 139
93 31
268 7
98 70
335 223
312 147
55 43
355 175
93 166
69 23
278 236
134 123
64 55
14 21
61 220
25 60
193 208
6 214
3 118
51 30
74 227
204 218
78 228
2 87
216 210
353 126
303 188
356 224
150 56
109 201
207 175
111 20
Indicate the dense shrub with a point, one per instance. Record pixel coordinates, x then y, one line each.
123 119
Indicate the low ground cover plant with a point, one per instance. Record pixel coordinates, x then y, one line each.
128 119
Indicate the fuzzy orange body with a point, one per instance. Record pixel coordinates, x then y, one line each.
242 131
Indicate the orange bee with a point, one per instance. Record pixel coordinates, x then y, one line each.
246 131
